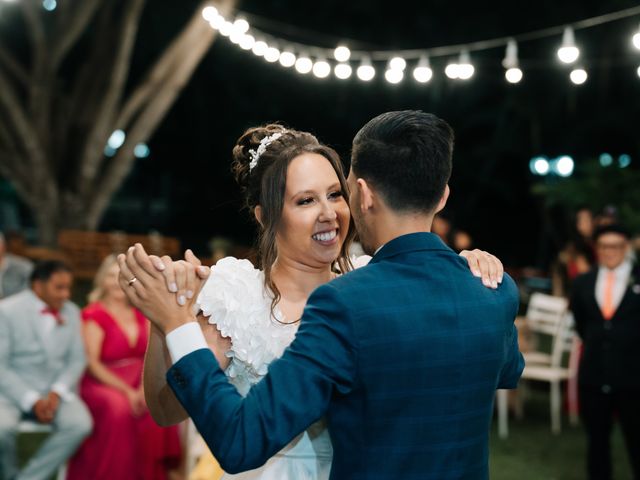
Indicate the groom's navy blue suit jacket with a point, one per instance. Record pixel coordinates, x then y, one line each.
402 356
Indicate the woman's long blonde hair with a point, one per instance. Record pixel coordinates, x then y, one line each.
97 292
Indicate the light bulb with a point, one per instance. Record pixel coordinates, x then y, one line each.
287 59
241 25
272 54
247 42
423 73
578 76
513 75
321 69
568 52
208 13
342 53
342 71
304 65
394 75
397 63
260 48
365 71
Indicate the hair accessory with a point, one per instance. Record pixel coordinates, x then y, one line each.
264 143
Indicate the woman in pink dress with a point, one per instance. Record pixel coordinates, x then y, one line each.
126 444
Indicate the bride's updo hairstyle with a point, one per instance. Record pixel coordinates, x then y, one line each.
264 182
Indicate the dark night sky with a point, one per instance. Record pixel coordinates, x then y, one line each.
185 187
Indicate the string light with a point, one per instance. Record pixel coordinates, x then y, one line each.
343 71
272 55
394 75
226 29
513 74
260 48
397 63
636 39
304 64
247 42
241 25
209 13
423 73
287 59
321 68
395 70
365 71
452 71
216 21
578 76
568 52
342 54
460 68
465 68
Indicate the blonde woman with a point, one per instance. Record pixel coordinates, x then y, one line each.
126 443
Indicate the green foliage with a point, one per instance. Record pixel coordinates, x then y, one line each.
595 187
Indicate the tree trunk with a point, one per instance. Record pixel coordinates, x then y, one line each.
52 138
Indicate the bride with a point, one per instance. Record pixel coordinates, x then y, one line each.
296 189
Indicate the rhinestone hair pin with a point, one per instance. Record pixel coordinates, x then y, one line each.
264 143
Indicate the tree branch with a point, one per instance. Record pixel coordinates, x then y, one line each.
71 28
18 178
180 64
103 123
12 66
35 28
18 119
165 64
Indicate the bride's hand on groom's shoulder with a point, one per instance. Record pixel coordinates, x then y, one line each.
484 265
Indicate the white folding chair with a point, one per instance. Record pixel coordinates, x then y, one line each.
546 316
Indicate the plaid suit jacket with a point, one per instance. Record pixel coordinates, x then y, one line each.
402 356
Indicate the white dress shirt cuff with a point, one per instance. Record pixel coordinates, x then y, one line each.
63 391
184 340
29 400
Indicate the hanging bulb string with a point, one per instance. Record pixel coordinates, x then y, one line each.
441 51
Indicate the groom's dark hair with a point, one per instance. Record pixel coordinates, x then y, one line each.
406 156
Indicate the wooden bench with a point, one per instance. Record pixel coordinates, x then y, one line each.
86 250
30 426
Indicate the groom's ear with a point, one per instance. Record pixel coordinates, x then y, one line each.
366 195
443 199
257 212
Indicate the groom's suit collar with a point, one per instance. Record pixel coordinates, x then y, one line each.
409 243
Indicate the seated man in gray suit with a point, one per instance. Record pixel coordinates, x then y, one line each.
14 271
41 359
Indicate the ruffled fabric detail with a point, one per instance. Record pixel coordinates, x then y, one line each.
235 300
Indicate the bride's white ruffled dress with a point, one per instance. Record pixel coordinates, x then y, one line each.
235 300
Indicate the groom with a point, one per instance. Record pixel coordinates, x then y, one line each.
402 356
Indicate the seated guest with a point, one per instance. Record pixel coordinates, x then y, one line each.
126 444
41 359
14 271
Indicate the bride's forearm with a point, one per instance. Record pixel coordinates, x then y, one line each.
164 406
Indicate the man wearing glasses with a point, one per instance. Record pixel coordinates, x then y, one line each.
606 306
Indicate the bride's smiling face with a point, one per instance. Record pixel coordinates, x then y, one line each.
315 215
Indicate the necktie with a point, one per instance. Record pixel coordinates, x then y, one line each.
55 313
607 302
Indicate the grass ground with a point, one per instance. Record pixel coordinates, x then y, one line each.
530 453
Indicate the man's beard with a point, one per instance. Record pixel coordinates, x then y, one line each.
363 236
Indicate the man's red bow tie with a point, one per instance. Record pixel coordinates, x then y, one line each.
55 313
